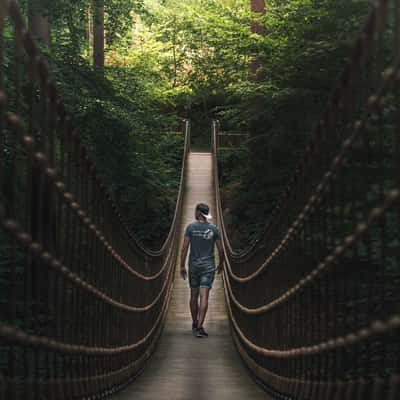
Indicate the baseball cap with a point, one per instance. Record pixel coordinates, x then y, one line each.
204 210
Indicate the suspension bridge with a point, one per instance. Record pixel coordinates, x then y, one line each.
309 311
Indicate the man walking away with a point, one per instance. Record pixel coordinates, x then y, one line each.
201 236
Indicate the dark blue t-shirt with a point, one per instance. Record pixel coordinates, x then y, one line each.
202 237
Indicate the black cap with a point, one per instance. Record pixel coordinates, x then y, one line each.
204 209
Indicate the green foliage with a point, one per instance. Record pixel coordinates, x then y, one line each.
200 48
122 114
305 49
119 19
168 59
122 125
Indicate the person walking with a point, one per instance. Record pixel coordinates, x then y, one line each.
201 236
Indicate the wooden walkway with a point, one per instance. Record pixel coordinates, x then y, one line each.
184 367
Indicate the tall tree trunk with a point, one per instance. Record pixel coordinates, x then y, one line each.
98 33
174 55
39 22
258 6
89 31
256 72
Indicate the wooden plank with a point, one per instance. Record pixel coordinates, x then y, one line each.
185 367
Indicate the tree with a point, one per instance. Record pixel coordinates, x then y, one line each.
39 22
258 6
98 33
256 72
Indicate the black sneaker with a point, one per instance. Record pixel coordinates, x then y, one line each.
201 332
194 328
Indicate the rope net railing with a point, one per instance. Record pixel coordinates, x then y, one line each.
82 301
227 140
314 304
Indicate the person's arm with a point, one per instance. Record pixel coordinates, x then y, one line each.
221 256
185 247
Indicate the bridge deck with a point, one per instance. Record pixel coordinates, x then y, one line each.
185 367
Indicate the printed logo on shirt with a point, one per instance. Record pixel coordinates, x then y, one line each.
208 234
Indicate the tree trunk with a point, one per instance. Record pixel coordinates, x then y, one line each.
39 23
256 72
98 33
258 6
89 31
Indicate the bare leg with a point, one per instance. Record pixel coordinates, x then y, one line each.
204 293
194 303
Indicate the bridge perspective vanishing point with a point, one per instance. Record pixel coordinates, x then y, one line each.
312 306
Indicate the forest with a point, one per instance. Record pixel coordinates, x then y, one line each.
117 117
131 70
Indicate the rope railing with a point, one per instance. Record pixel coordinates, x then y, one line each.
354 88
314 302
231 139
82 301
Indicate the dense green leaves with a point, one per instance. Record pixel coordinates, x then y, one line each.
303 53
167 59
122 114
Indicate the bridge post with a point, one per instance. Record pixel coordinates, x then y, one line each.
186 131
215 135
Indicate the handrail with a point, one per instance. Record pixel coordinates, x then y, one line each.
375 25
313 301
71 270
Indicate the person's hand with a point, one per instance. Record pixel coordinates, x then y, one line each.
220 267
183 273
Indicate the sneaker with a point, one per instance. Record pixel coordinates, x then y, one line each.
194 328
201 332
